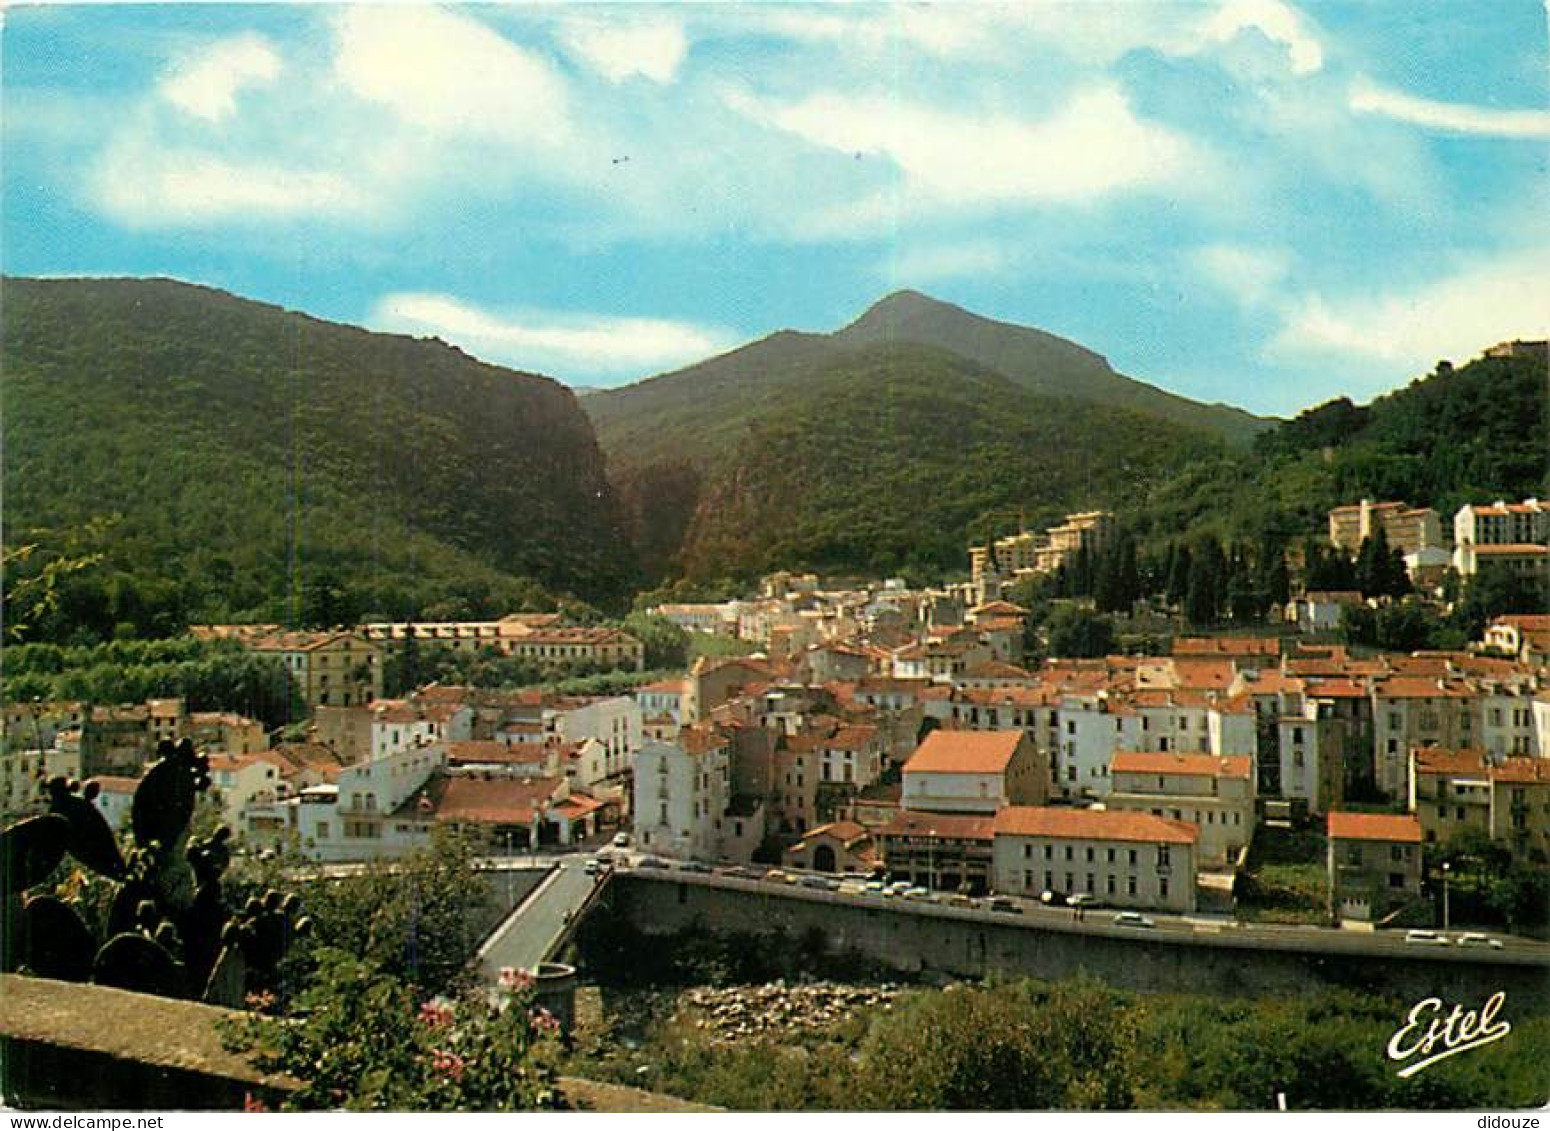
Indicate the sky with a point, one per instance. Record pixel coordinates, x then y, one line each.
1250 201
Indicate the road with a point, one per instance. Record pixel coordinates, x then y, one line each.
527 936
1193 929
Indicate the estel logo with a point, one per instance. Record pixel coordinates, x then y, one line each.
1426 1030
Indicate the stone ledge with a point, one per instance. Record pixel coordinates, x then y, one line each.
85 1047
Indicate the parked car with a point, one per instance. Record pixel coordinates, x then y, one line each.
776 876
621 840
961 900
1132 919
819 882
899 887
1053 899
1428 938
917 892
593 867
1082 899
694 866
1474 938
1002 903
875 887
652 862
740 872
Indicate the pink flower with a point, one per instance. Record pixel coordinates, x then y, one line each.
544 1021
513 980
449 1064
250 1102
436 1015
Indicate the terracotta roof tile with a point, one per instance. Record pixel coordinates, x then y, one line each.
1401 828
964 752
1092 824
1207 765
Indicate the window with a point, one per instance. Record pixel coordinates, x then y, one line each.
1049 852
1162 856
1111 856
1112 883
1132 856
1396 854
1162 886
1396 879
1130 885
1070 853
1049 881
1089 854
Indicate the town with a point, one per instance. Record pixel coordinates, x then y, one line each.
898 739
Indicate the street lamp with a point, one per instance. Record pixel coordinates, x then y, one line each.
1445 868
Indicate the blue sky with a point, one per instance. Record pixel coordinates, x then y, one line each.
1250 201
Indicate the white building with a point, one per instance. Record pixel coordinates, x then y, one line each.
354 818
1216 795
965 771
240 780
682 793
1124 859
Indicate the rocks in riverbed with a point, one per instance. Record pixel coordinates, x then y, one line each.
740 1013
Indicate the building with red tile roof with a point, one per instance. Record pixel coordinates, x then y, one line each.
963 771
1374 864
1125 859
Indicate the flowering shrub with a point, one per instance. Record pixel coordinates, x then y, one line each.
360 1040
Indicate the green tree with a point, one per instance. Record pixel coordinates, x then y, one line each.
1076 633
1207 583
419 920
361 1040
1179 574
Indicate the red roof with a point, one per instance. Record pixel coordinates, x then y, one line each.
1092 824
1205 765
1401 828
492 801
942 826
495 752
964 752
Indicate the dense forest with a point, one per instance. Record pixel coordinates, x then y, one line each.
176 454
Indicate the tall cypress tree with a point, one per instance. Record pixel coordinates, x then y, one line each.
1178 575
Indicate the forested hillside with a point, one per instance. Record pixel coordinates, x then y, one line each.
201 456
888 458
1472 433
886 444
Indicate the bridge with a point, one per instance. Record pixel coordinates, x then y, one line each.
540 926
1179 954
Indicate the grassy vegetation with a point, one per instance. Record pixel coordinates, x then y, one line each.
1286 878
1074 1045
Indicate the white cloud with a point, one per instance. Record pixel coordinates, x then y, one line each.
1453 117
1248 274
653 49
155 186
915 265
1277 21
554 342
1454 316
1091 147
445 72
206 84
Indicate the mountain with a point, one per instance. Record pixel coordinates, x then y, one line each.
1042 362
231 459
735 463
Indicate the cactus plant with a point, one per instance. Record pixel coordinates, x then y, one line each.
168 931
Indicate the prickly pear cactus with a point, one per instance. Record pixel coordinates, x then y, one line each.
168 931
91 841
